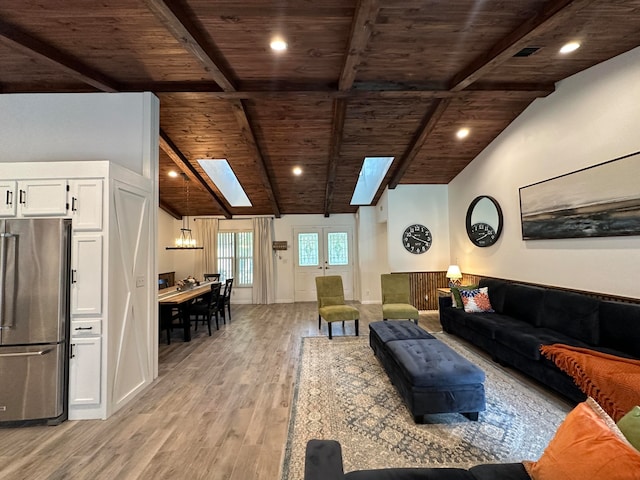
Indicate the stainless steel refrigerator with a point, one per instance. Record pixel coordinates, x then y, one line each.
34 320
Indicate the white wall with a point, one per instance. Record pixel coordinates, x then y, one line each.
372 253
426 205
592 117
80 126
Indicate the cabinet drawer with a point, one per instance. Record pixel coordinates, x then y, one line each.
82 328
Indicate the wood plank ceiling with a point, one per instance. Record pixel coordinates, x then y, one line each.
359 78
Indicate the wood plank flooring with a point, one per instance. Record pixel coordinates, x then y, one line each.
218 410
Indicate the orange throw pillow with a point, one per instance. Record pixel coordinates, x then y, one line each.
587 445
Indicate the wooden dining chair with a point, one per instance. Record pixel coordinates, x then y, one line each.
169 314
211 277
208 308
225 300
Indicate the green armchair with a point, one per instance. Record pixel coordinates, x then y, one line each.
396 303
331 304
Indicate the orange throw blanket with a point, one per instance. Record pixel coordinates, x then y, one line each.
614 382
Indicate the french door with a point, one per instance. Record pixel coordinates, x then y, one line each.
320 252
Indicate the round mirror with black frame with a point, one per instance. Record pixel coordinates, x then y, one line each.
484 221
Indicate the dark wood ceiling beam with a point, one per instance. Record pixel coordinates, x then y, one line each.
252 146
337 127
169 209
37 49
549 17
191 39
365 16
189 170
429 122
378 90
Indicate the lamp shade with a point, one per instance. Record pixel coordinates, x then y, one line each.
454 273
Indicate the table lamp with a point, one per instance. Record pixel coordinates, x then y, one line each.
454 275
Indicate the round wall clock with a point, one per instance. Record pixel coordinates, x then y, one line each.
484 221
416 239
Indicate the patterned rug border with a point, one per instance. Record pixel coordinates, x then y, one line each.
292 449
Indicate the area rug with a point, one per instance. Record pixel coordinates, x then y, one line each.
342 393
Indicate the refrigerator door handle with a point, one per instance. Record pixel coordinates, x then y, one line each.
27 354
4 321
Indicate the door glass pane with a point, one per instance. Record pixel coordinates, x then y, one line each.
338 247
308 249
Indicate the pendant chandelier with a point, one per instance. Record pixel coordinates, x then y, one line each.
185 241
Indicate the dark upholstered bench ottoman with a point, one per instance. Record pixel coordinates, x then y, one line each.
430 376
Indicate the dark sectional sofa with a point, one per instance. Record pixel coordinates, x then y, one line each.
527 317
323 461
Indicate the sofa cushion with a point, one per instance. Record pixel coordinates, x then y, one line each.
526 339
497 292
456 299
499 471
400 330
620 327
410 474
629 425
573 314
487 323
587 445
524 303
431 363
476 301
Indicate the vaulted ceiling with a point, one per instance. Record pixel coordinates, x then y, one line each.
359 78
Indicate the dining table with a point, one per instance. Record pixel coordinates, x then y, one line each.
172 298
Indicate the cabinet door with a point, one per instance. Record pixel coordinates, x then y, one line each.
86 275
86 204
8 199
84 371
42 197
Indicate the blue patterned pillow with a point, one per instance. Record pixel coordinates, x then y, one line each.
476 301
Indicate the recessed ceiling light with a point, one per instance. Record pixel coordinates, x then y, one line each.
297 171
462 133
570 47
278 45
173 173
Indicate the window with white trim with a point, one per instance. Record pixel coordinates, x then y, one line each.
235 257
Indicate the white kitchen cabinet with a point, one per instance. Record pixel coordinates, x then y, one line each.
112 246
8 197
85 204
86 275
85 367
42 198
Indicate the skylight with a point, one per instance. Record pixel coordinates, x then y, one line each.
373 171
220 172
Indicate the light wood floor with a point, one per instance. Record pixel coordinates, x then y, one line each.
218 410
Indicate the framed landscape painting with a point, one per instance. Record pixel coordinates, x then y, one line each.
599 201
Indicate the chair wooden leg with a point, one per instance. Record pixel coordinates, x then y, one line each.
209 323
319 322
329 324
357 325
